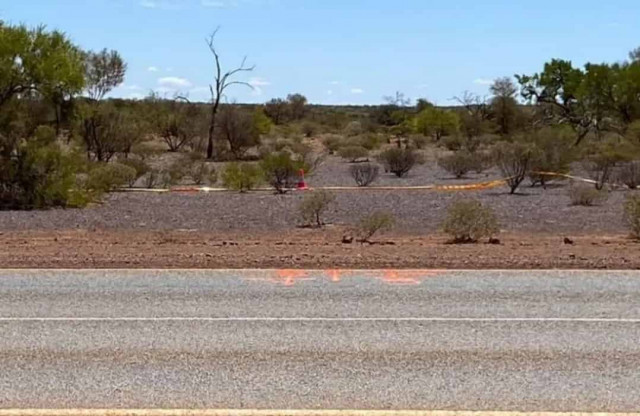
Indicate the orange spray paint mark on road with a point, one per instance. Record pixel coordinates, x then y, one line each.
407 277
289 277
334 275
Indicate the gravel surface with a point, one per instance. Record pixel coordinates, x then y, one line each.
417 212
572 365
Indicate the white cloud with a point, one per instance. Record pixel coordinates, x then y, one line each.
174 82
152 69
334 83
483 81
149 4
329 92
131 87
357 91
257 83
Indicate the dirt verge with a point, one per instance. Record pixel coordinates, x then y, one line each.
306 248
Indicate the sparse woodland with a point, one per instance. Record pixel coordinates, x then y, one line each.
63 143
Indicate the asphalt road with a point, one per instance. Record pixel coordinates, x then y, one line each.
530 341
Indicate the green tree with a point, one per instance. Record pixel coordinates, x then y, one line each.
35 61
503 105
436 122
105 70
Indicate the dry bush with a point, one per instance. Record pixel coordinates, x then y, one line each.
584 195
459 163
200 171
601 158
555 153
629 174
399 161
151 179
514 161
364 173
313 205
241 176
632 215
353 153
468 221
371 224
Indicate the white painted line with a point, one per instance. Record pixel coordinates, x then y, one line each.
314 319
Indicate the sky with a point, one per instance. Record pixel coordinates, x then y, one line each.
338 51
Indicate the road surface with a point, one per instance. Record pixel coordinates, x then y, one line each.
482 340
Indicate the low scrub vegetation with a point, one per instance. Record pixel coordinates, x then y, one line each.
460 163
313 206
585 195
374 223
514 161
364 173
400 161
468 221
241 176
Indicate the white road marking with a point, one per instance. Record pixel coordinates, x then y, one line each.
313 319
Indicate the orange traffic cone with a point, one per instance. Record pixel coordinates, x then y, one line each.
302 185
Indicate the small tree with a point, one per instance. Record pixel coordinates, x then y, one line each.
241 176
364 173
555 152
436 122
514 161
468 221
281 170
399 161
236 128
105 70
313 205
601 158
374 223
297 105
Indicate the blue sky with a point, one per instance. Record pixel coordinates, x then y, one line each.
339 51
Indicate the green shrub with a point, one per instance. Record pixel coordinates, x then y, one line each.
140 167
369 141
585 195
459 163
109 176
468 221
374 223
364 173
282 171
632 215
313 205
241 176
333 143
418 141
399 161
38 175
353 153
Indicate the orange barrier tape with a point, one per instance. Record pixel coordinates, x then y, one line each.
465 187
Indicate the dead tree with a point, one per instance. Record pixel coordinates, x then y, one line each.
222 80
